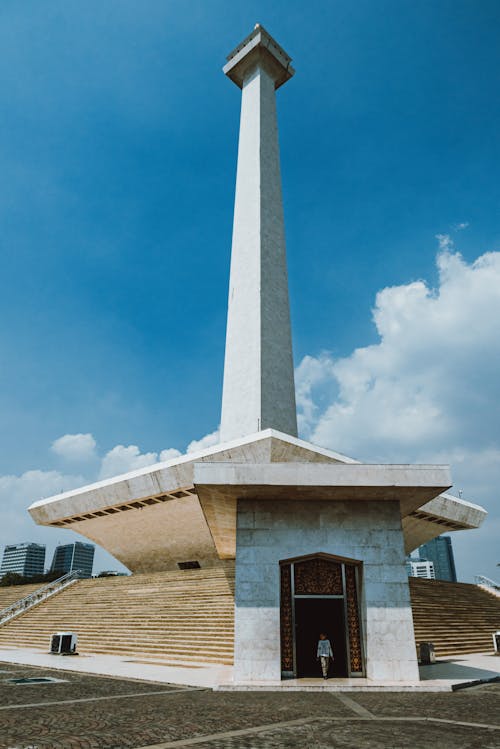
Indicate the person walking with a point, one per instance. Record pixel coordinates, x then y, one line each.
324 653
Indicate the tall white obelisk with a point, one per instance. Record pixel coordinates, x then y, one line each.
259 391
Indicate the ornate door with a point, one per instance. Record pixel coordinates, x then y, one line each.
321 576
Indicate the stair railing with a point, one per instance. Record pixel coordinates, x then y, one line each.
39 595
487 582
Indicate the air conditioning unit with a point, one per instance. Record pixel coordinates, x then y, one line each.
63 643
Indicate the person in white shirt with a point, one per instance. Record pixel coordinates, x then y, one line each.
324 653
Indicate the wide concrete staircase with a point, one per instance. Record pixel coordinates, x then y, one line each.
456 617
183 617
187 617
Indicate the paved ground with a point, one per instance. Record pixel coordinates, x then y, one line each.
440 675
126 667
91 712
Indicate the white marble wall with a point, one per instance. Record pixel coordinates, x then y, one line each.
367 531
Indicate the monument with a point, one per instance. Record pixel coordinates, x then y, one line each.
259 391
316 539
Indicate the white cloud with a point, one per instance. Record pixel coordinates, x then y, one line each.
312 377
207 441
33 485
122 459
431 379
18 492
429 390
169 454
75 447
445 241
460 226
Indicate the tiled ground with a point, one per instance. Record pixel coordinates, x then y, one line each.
359 735
477 705
104 713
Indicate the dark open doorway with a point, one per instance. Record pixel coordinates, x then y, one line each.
312 616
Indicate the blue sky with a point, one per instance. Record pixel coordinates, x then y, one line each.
118 145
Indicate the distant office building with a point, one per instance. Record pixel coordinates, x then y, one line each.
439 551
418 568
71 557
25 559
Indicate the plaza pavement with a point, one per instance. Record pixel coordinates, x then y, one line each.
85 711
441 676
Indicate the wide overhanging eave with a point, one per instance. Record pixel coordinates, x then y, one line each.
412 486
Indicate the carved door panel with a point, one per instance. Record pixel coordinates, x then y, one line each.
320 577
353 624
287 633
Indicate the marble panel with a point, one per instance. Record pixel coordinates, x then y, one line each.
366 534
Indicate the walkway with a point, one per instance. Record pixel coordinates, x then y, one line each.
83 711
441 676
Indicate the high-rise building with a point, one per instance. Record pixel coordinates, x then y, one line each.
72 557
26 559
439 551
418 568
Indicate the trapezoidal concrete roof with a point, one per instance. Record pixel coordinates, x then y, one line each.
185 509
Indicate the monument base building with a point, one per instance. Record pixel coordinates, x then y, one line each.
318 540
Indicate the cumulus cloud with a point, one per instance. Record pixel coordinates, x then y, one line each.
428 391
18 492
207 441
33 485
75 447
122 459
169 454
313 377
432 377
445 242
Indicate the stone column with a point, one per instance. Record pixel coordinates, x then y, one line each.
259 390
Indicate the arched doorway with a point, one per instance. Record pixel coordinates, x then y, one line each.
320 592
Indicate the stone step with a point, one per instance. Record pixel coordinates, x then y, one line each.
156 622
213 624
160 636
111 645
161 616
164 641
89 607
457 627
165 615
457 617
158 614
220 656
